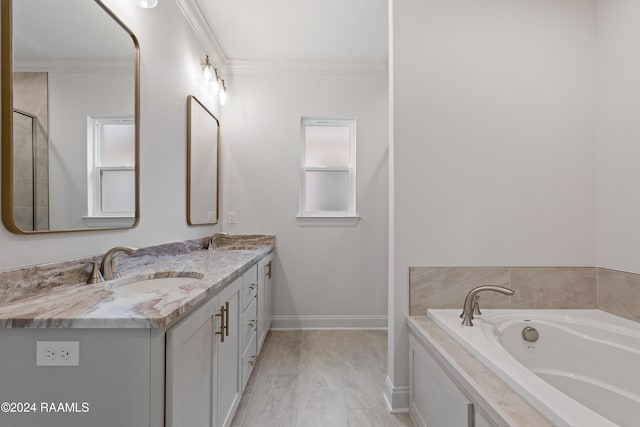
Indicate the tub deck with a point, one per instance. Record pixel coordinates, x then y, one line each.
499 400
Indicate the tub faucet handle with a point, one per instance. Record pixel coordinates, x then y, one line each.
476 306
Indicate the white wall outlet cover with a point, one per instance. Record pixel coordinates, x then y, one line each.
232 217
57 353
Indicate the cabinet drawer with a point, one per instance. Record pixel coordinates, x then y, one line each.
249 323
249 359
249 286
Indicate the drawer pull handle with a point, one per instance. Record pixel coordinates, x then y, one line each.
222 321
252 360
269 270
252 286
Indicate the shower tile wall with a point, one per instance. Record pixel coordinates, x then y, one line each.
619 293
616 292
536 287
31 189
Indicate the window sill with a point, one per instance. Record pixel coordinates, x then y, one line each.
328 221
109 221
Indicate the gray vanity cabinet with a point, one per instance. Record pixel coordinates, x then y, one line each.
202 365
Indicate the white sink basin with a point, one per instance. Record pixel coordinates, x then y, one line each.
153 282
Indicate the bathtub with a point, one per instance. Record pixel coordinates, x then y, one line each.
583 371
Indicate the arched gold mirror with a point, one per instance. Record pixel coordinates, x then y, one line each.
70 117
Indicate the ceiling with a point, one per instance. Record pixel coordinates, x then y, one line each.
44 30
353 31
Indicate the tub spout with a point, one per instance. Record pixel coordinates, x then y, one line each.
471 298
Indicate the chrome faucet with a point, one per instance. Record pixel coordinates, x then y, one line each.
471 301
107 267
213 243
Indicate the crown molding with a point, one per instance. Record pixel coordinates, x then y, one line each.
306 67
201 28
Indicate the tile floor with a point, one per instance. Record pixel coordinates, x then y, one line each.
319 378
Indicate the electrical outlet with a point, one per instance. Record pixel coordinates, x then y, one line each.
57 353
64 353
49 354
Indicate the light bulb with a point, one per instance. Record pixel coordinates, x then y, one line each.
208 73
223 96
215 85
147 4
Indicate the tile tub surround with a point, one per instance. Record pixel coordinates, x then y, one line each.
619 293
536 287
477 380
56 296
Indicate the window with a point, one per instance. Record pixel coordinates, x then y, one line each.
328 173
111 166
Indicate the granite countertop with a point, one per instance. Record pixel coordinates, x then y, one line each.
482 384
32 301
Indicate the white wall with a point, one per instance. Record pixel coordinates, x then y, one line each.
494 143
335 276
72 97
170 70
618 135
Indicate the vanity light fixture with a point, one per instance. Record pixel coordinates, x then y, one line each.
223 96
147 4
211 76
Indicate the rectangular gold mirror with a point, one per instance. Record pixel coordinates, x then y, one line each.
203 137
70 117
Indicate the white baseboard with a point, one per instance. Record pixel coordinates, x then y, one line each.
396 398
329 322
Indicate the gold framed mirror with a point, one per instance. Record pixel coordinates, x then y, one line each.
70 117
203 145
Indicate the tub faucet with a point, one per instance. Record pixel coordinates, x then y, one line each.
471 300
107 267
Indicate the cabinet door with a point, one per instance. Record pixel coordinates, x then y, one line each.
434 399
191 362
265 299
229 388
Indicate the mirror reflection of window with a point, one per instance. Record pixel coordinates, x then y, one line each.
111 166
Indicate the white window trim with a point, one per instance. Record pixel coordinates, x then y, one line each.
95 217
348 217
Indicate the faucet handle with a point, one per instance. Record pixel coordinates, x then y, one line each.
213 244
476 306
96 275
